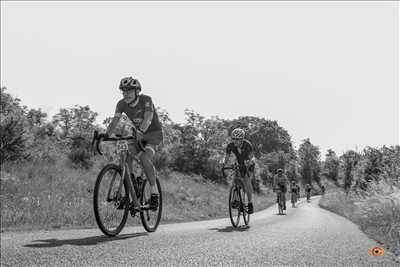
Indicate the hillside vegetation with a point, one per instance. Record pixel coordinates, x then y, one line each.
367 191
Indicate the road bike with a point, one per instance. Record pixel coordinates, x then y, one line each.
116 192
238 199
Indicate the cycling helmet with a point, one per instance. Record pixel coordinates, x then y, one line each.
238 134
129 83
280 171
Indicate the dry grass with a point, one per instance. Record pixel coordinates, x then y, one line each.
42 195
377 213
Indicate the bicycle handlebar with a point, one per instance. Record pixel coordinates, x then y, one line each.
232 167
98 138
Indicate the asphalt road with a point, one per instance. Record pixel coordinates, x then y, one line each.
306 236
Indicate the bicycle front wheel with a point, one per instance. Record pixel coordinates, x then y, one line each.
110 204
234 206
150 217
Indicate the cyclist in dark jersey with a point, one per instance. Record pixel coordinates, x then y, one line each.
243 151
280 181
141 111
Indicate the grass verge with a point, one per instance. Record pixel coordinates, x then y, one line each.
378 215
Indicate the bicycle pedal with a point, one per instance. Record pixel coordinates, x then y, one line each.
123 203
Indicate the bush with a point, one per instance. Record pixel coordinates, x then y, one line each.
80 158
80 154
162 158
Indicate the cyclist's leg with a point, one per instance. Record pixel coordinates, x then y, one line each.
152 140
247 184
284 189
249 191
146 159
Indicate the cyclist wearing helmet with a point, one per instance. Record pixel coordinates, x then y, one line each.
140 110
243 151
280 182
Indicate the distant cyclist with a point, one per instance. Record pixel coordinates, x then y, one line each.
281 182
141 111
322 189
307 188
294 192
244 153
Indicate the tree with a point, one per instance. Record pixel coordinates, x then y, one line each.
13 136
63 119
309 157
78 120
331 166
348 162
266 135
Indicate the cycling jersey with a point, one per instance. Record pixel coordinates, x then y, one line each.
307 188
243 153
293 188
281 181
135 112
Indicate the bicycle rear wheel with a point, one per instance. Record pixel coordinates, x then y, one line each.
234 206
110 206
150 218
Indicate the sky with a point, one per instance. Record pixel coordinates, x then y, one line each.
325 70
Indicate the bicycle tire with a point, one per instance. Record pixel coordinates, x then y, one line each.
144 214
96 196
233 194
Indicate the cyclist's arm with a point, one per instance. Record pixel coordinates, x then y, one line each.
252 157
148 114
273 182
228 152
227 156
148 117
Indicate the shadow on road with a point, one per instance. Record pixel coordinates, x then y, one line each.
231 229
86 241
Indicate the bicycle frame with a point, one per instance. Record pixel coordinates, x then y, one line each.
123 155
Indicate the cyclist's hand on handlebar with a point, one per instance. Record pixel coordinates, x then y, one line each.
139 135
103 135
224 165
